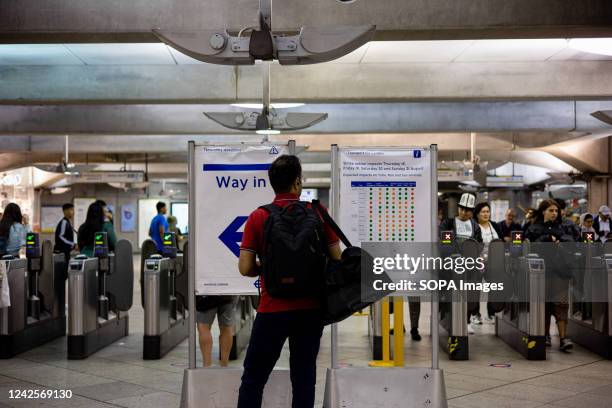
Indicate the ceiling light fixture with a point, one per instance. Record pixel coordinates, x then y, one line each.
601 46
276 105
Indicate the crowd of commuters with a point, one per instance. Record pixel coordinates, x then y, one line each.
549 222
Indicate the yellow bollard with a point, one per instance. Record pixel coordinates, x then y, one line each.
398 331
386 338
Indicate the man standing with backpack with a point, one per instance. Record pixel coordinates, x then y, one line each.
293 245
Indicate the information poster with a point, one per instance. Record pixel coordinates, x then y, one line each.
230 182
128 217
50 216
385 195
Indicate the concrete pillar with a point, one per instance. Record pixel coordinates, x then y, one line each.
599 189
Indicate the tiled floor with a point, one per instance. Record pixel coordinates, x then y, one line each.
118 377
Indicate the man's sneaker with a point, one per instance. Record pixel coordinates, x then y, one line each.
470 329
489 319
566 344
548 341
476 319
414 333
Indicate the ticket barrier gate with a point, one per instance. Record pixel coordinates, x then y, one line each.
100 291
244 311
37 312
453 337
592 326
521 324
165 324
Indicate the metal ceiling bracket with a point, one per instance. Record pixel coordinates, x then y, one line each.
311 46
604 116
248 121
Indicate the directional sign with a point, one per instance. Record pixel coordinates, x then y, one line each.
230 181
231 237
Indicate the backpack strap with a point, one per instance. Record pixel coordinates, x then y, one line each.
271 208
332 224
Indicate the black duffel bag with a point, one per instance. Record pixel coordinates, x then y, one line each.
345 292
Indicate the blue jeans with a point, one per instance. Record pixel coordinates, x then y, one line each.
303 328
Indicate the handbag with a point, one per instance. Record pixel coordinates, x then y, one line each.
345 292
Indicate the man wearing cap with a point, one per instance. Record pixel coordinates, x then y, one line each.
601 223
464 227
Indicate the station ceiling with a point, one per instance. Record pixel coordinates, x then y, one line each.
525 76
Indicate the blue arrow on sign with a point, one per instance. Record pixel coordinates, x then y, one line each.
231 236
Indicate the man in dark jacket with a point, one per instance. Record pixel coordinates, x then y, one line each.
464 227
508 225
64 233
567 224
547 228
602 224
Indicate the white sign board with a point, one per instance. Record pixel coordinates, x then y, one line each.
230 182
385 195
505 181
81 205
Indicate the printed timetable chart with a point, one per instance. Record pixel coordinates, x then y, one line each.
383 194
386 210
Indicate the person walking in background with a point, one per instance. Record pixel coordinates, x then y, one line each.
64 232
601 223
159 225
13 229
94 222
567 224
464 227
586 225
548 228
172 227
207 308
529 218
490 231
508 225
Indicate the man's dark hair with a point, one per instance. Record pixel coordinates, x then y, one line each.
561 203
283 172
67 206
160 205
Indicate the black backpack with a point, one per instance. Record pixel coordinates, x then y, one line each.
295 254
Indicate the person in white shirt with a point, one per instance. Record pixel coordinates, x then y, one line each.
490 231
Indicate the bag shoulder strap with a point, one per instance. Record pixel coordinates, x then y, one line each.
332 224
271 208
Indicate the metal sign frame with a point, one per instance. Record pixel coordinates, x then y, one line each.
193 236
334 206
